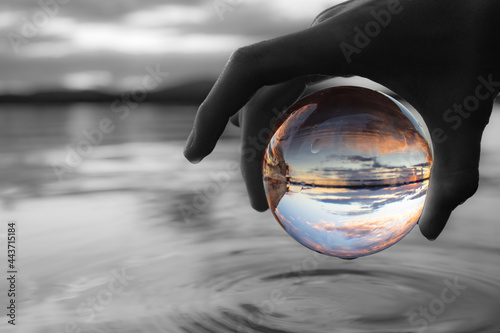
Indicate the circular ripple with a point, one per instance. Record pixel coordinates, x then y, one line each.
310 295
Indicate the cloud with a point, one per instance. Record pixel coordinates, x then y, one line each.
358 158
85 34
50 72
168 15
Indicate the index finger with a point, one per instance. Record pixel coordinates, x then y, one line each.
311 51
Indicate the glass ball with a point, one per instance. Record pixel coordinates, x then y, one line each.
346 171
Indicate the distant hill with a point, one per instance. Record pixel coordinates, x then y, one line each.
193 92
188 93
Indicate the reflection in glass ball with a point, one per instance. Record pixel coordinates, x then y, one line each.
346 171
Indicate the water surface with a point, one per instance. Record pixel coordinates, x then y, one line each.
191 255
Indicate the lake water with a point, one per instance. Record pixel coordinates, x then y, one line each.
127 236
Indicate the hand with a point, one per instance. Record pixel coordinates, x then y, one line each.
440 56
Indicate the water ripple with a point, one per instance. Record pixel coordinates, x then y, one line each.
354 297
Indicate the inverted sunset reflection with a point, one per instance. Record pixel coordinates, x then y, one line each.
346 171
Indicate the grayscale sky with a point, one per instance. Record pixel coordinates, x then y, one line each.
108 43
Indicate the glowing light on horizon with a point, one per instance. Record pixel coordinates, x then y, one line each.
87 80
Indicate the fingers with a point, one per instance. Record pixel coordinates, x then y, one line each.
235 119
323 16
253 67
455 176
446 192
334 11
257 119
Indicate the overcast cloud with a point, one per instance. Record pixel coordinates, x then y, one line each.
108 43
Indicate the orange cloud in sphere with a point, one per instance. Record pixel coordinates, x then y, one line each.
346 171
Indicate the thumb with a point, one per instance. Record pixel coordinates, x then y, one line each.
454 179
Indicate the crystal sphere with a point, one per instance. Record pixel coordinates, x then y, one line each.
346 171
